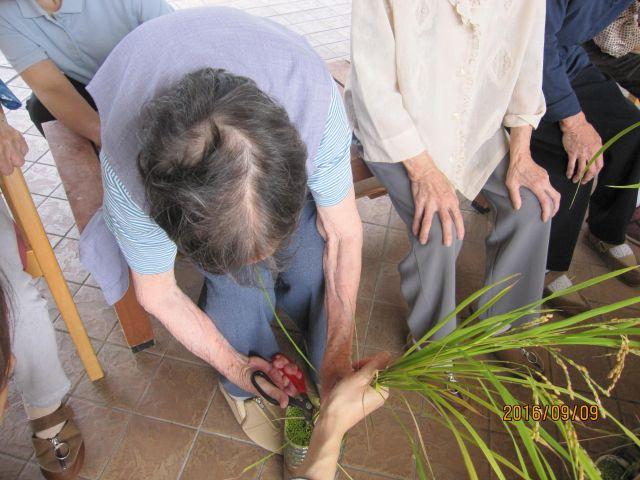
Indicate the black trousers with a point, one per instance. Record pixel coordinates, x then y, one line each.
625 70
610 209
39 113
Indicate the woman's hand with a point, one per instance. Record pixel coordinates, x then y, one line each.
13 148
353 398
524 172
349 402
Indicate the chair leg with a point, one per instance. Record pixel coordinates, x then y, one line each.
15 188
134 321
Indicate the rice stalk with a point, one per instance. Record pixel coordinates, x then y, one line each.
425 369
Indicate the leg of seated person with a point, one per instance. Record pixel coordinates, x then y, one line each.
428 272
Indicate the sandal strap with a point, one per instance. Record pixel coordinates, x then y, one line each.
61 415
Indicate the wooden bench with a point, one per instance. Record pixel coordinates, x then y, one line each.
79 170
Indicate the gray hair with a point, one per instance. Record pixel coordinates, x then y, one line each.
223 169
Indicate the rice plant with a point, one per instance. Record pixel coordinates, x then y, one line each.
547 432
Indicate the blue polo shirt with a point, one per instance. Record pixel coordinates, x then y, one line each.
77 38
570 23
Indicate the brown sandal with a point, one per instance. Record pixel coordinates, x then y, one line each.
60 457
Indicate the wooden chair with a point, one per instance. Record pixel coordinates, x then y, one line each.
41 261
79 169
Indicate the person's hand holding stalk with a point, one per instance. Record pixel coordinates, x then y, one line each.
433 194
349 402
524 172
581 142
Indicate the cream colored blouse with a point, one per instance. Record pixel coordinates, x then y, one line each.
444 76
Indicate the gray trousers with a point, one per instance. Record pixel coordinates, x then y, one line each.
38 372
242 312
516 245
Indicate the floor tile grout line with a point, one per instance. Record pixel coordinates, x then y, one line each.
377 280
195 437
117 446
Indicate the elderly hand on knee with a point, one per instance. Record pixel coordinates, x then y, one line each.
524 172
433 193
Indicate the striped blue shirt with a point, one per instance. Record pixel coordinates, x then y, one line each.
147 248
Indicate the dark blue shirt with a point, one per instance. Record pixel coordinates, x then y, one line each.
570 23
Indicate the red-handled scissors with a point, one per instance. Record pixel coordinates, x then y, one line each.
302 400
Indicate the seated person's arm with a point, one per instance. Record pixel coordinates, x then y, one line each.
580 139
63 101
349 402
524 113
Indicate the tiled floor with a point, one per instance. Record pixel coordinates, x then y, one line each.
158 414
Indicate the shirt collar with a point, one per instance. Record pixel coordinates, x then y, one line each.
31 8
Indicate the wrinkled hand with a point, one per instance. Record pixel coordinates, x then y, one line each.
13 148
240 374
581 142
433 193
353 398
524 172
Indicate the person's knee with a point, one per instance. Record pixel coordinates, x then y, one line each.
529 216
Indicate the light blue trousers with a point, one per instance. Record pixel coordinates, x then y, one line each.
243 314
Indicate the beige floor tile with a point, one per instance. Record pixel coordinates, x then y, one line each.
10 467
150 449
228 458
375 211
388 285
102 429
382 446
368 278
373 241
387 328
396 246
272 468
19 119
220 419
127 376
610 291
56 216
98 317
180 392
472 259
42 179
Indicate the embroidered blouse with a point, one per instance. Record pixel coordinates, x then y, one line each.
445 77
